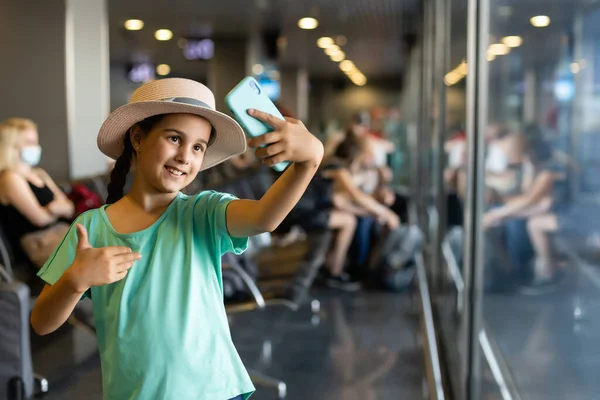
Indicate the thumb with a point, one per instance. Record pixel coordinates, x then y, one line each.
82 236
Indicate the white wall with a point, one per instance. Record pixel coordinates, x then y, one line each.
88 84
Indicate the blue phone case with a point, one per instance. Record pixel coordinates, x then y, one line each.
248 94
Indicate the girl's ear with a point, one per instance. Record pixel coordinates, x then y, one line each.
135 135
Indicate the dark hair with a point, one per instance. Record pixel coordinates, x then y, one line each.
118 176
538 150
532 132
349 149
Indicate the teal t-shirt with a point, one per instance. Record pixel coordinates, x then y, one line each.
163 331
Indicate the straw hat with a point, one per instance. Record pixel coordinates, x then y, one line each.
171 96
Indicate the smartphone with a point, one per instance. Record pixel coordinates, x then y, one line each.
248 94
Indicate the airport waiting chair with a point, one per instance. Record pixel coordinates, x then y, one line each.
17 379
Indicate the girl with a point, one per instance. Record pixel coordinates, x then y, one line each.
32 207
151 263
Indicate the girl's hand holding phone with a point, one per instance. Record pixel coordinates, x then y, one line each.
98 266
289 141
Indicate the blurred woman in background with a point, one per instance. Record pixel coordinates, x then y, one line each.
33 210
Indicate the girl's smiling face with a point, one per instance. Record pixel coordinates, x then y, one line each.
170 156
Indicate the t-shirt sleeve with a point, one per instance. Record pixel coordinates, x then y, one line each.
61 259
216 212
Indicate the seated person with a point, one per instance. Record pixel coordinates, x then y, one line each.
543 186
345 168
33 210
333 201
503 160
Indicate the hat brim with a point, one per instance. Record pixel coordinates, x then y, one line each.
229 139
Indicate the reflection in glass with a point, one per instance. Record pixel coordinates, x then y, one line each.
542 198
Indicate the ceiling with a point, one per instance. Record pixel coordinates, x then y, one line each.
512 18
375 31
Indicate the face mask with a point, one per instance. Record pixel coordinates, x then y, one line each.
31 155
497 161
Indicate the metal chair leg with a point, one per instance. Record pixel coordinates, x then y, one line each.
315 306
269 382
40 384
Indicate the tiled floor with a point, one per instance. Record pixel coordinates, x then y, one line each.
359 347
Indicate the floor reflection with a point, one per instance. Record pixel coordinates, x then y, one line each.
362 346
550 342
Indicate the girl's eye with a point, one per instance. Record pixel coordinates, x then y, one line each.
198 148
175 139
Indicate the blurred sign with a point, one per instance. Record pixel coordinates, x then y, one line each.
140 73
199 49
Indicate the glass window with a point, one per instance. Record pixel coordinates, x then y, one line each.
541 196
449 298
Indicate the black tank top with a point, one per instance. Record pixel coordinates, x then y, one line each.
15 224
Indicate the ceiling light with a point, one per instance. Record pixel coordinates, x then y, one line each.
308 23
337 57
325 42
331 50
163 69
134 24
341 40
346 65
575 68
490 56
258 69
452 78
163 34
540 21
449 81
359 80
512 41
499 49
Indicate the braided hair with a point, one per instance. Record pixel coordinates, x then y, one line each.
118 176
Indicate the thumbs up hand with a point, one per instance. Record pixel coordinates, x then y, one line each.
98 266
